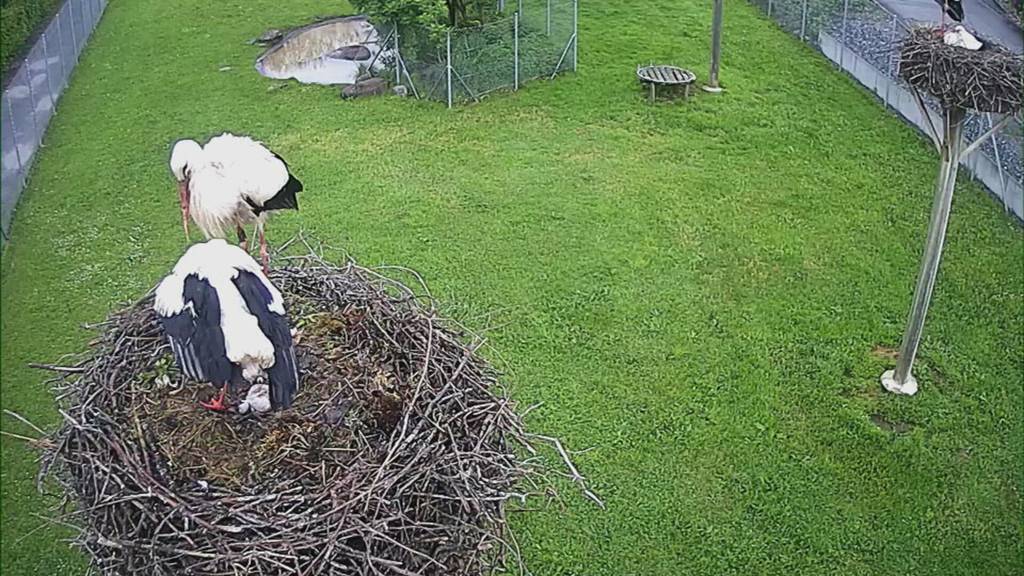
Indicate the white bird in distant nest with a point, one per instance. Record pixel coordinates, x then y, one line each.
960 37
226 323
233 181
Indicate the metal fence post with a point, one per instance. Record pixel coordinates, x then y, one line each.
892 43
716 46
448 47
398 59
547 27
846 10
60 53
74 36
803 21
32 100
575 32
999 165
49 85
900 380
14 133
515 49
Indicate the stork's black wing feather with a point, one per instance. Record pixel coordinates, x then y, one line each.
284 374
953 8
285 198
196 338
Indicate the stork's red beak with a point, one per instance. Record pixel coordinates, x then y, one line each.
184 196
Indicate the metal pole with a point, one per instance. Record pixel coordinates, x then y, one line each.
449 48
32 100
999 164
14 133
74 37
901 380
49 85
716 47
803 20
398 59
892 42
515 49
575 32
846 11
547 27
769 8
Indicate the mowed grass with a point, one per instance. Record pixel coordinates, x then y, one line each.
694 290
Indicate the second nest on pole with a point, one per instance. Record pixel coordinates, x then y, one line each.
986 80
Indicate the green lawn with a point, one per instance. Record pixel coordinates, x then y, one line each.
695 290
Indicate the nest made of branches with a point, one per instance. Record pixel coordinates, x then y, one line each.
987 80
400 454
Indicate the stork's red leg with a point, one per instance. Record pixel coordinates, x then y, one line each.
217 404
264 252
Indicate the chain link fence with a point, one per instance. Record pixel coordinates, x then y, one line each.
31 95
863 38
522 41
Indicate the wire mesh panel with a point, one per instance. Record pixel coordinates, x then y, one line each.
869 32
54 65
69 42
36 69
545 38
483 59
788 14
78 27
518 41
11 174
30 98
20 99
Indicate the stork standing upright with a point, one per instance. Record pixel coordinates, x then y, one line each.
232 181
226 323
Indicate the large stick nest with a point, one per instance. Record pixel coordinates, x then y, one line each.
987 80
399 455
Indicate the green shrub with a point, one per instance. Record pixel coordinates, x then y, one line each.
18 20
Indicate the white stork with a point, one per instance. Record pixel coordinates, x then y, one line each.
232 181
226 323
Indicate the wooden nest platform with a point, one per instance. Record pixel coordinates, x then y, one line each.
399 456
987 80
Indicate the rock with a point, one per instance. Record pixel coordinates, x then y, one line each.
357 52
400 91
269 37
369 87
